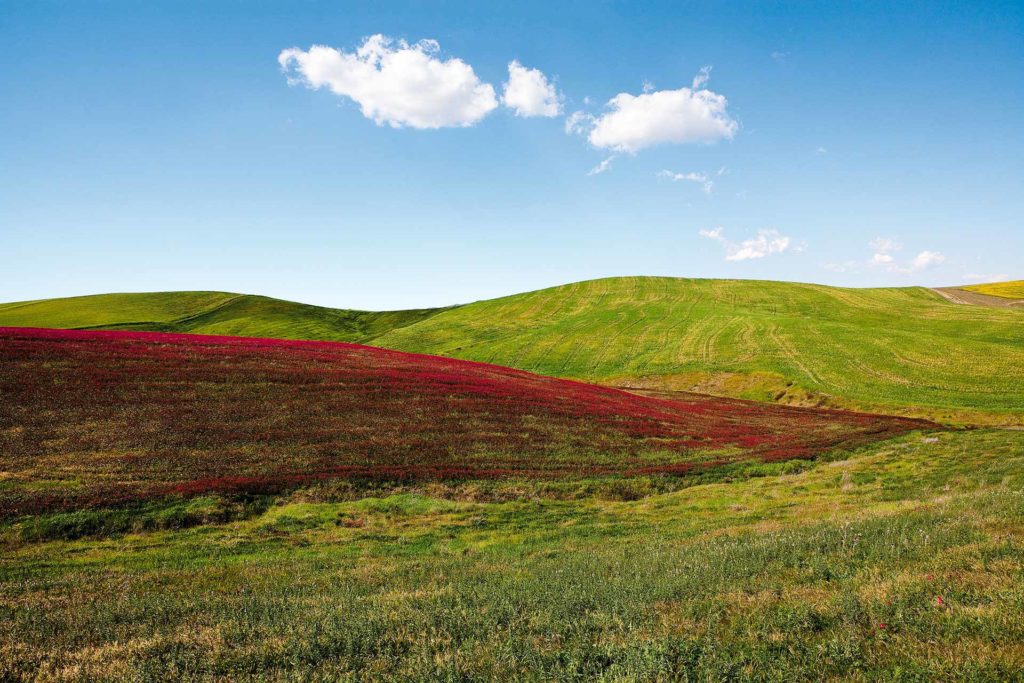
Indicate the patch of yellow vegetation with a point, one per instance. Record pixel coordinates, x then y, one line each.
1014 289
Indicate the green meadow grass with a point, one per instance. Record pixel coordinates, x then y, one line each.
902 350
1007 290
903 561
220 313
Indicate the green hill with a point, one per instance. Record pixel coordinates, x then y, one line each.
906 350
241 315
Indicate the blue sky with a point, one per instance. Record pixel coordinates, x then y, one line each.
149 146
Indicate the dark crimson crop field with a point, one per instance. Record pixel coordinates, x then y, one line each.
98 418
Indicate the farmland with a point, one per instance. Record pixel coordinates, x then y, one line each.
95 418
203 507
1007 290
356 342
899 561
898 350
219 313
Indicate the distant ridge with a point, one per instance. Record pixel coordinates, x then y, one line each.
225 313
898 350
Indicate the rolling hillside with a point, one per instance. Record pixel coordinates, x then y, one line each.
891 349
903 350
216 508
95 418
207 313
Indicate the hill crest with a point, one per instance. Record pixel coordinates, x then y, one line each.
896 350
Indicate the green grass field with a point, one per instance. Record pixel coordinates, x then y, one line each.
904 350
1007 290
903 561
222 313
899 560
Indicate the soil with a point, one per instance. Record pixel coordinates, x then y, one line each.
962 296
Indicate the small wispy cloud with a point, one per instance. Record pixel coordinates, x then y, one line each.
779 56
884 257
885 245
765 243
926 259
602 167
844 267
978 277
701 79
578 123
707 185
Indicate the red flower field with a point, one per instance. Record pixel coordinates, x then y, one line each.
97 418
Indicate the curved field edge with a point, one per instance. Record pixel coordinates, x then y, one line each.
93 417
901 561
901 351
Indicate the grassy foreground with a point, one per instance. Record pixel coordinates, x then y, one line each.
902 562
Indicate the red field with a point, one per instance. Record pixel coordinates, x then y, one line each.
97 418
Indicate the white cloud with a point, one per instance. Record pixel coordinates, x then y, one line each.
528 92
926 259
701 79
821 150
883 257
844 267
602 167
779 56
885 245
706 184
978 277
578 123
765 243
635 122
395 83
